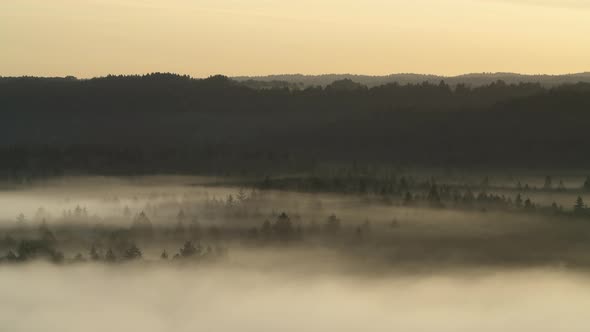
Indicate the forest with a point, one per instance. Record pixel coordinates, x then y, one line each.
203 221
167 123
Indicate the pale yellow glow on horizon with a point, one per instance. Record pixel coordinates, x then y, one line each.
256 37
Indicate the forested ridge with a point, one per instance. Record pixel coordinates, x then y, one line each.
169 92
472 79
166 123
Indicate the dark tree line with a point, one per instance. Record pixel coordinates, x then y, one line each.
164 123
169 92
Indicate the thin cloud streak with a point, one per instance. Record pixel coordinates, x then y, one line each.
563 4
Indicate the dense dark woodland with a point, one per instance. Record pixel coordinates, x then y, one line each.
164 123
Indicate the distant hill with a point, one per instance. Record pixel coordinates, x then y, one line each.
475 79
165 123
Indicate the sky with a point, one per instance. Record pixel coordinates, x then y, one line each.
87 38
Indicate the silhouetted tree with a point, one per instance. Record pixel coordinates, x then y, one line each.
266 229
180 217
126 212
11 256
241 196
518 201
133 252
561 186
94 255
394 223
408 199
195 228
179 230
579 206
189 249
31 249
283 227
548 183
332 225
403 184
110 256
468 197
142 226
366 227
21 221
434 196
45 233
485 183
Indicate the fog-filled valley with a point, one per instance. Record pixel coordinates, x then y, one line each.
167 203
415 220
41 297
199 253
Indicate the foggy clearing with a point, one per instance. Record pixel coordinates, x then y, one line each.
41 297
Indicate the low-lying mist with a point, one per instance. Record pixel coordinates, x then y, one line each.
91 218
240 297
198 254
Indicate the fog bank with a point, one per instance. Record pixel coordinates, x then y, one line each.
229 297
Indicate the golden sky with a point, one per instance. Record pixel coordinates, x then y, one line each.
256 37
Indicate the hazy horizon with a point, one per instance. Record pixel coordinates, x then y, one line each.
466 74
261 37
